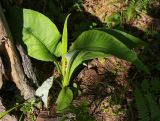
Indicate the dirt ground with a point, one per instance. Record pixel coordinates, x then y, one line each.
107 83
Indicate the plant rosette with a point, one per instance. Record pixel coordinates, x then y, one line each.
44 42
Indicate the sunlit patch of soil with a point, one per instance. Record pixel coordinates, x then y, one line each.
103 8
104 85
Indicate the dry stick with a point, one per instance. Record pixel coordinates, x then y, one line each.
17 73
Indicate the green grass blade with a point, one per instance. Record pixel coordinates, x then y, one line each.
6 112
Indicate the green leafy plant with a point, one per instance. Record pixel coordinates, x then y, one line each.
2 114
114 19
26 108
132 11
81 112
134 8
43 41
146 105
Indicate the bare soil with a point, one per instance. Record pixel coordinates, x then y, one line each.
107 84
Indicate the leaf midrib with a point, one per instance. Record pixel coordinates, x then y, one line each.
26 28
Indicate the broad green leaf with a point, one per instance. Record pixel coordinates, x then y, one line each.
39 34
43 90
64 44
127 39
100 41
77 57
64 99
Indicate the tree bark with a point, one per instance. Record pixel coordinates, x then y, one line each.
17 73
1 72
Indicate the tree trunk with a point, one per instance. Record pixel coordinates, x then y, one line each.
17 74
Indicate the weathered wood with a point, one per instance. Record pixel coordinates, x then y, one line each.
27 65
1 72
17 72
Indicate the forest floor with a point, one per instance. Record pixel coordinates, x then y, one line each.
107 84
117 79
